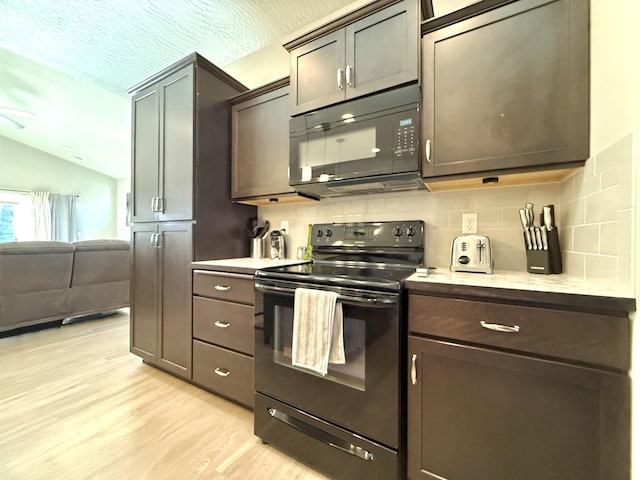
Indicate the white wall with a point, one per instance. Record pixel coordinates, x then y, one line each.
26 168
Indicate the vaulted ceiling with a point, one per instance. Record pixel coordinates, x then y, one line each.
70 62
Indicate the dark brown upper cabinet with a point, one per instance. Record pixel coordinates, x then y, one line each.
162 170
507 91
371 49
260 146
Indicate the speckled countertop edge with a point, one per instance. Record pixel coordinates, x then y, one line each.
560 283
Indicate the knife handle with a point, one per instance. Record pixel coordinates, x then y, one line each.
532 234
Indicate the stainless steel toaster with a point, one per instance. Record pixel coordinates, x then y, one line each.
471 253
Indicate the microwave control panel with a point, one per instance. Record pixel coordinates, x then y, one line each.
405 141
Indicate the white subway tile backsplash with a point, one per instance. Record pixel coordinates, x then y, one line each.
565 235
610 177
616 154
586 239
603 206
588 186
602 268
609 238
572 213
573 264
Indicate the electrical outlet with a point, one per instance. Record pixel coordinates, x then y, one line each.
284 225
469 223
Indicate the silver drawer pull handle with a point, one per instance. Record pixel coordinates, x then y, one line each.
223 372
220 324
500 328
414 373
222 288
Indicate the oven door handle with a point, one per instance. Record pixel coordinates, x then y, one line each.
378 298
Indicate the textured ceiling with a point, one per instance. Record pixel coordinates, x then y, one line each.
71 61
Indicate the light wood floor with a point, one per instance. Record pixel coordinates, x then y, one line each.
76 405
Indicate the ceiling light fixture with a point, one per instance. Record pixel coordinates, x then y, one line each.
9 122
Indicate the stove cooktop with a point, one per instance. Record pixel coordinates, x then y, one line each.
381 277
371 255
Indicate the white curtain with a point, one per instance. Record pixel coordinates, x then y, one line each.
63 217
41 215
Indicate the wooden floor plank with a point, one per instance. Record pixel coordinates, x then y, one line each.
75 404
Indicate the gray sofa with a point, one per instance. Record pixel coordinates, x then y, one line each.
41 282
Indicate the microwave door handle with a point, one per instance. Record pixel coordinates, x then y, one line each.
339 78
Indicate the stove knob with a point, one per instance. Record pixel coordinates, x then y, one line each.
411 231
329 232
397 231
319 233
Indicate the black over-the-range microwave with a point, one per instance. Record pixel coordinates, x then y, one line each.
366 145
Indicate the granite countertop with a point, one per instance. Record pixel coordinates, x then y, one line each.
242 265
560 290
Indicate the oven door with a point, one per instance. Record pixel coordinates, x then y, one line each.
362 395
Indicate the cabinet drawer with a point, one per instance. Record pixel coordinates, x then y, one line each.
226 324
225 286
222 371
583 337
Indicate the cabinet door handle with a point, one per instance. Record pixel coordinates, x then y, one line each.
497 327
222 288
348 75
152 240
223 372
160 205
153 203
414 372
339 78
220 324
427 149
159 240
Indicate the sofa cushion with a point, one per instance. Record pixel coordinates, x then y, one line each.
101 244
27 267
100 261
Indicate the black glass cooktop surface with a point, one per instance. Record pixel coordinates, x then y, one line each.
387 277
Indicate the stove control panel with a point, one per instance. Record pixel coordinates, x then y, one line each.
369 234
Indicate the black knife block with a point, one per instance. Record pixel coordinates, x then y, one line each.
546 261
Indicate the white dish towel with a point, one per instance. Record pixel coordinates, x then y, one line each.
317 330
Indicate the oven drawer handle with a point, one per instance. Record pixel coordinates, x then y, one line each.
321 435
223 372
497 327
378 299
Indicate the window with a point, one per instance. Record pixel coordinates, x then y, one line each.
15 217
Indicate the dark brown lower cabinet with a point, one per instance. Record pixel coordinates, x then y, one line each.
481 414
161 295
223 334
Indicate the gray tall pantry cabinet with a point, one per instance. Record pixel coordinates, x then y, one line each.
181 202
